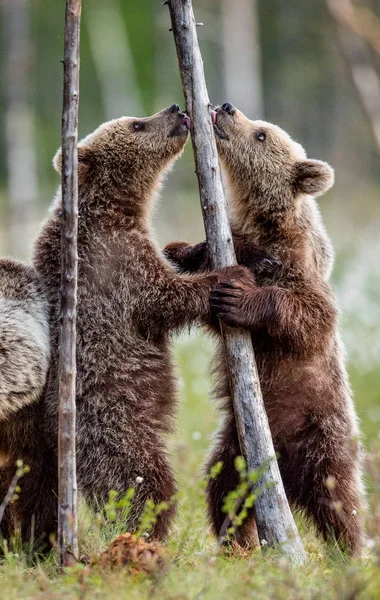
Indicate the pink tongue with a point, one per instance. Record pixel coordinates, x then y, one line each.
213 116
186 121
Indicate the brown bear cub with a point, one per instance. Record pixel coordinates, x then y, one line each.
130 299
292 315
24 337
24 363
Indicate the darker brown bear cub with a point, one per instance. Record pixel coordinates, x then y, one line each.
293 318
129 300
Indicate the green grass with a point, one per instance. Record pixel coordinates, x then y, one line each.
194 568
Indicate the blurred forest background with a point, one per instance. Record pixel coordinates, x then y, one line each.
311 67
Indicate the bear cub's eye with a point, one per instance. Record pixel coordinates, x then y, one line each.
261 136
138 126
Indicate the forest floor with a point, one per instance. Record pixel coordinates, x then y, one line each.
190 566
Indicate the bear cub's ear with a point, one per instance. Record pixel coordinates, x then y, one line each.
83 157
313 177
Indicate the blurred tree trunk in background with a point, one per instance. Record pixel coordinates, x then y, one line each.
113 61
242 56
19 125
360 61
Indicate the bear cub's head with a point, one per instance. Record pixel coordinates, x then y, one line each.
263 162
125 158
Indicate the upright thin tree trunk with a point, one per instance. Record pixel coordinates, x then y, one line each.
242 56
274 520
67 488
19 125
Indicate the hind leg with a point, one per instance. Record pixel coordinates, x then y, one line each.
323 479
142 465
35 511
336 505
226 450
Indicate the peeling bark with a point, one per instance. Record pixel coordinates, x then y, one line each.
274 519
67 489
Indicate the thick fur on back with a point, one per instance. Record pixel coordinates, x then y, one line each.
24 337
293 317
129 300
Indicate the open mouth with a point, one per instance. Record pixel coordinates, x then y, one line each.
182 127
218 130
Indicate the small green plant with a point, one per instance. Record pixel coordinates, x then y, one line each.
149 516
14 489
12 548
118 507
240 501
215 470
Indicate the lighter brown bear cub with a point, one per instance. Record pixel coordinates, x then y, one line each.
292 315
24 363
129 301
24 338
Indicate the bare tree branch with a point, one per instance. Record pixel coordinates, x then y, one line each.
67 490
275 522
360 19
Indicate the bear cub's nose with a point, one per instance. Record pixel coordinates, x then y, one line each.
229 108
174 108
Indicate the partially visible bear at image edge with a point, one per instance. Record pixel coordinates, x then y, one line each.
24 337
24 364
293 318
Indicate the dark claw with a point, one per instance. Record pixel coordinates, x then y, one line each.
217 293
271 263
267 265
216 302
220 289
227 284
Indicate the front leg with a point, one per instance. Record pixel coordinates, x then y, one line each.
171 302
304 316
255 258
187 258
193 259
232 302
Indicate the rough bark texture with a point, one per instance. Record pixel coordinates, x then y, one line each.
275 522
67 494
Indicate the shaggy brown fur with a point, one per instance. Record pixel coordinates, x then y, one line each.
24 361
24 337
129 300
293 319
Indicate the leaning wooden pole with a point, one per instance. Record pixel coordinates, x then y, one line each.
67 489
274 519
